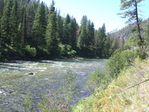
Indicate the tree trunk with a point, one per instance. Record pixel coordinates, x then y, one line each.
142 54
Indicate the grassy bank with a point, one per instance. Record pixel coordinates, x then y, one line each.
127 93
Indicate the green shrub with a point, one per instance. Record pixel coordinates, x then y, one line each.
66 50
31 51
120 61
95 80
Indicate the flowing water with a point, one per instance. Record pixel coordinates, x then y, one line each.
25 81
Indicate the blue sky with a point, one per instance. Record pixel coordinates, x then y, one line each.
98 11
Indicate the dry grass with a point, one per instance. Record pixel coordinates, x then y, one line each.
119 95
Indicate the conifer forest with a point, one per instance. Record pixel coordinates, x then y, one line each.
29 29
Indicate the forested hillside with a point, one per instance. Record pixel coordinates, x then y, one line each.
29 29
128 31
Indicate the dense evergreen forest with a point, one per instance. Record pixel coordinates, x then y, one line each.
29 29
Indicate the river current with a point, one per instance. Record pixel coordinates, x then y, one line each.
24 83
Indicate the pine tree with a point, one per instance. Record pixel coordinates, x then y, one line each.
106 51
66 30
6 24
39 26
0 32
100 39
0 38
59 27
83 33
14 24
30 16
90 35
23 26
130 8
73 30
51 32
85 41
1 6
46 13
97 43
69 31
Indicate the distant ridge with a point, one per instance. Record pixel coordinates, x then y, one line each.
127 31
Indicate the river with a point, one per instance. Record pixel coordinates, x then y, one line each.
24 84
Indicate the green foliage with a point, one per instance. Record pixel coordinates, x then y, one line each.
69 31
24 23
44 105
86 37
31 10
6 24
81 38
100 41
14 26
66 30
31 51
39 26
120 61
60 28
66 50
73 30
131 11
0 32
96 80
28 103
51 32
132 41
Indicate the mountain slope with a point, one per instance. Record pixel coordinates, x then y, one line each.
128 31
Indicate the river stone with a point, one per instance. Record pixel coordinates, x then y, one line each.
31 73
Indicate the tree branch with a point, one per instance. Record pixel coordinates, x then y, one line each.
136 84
